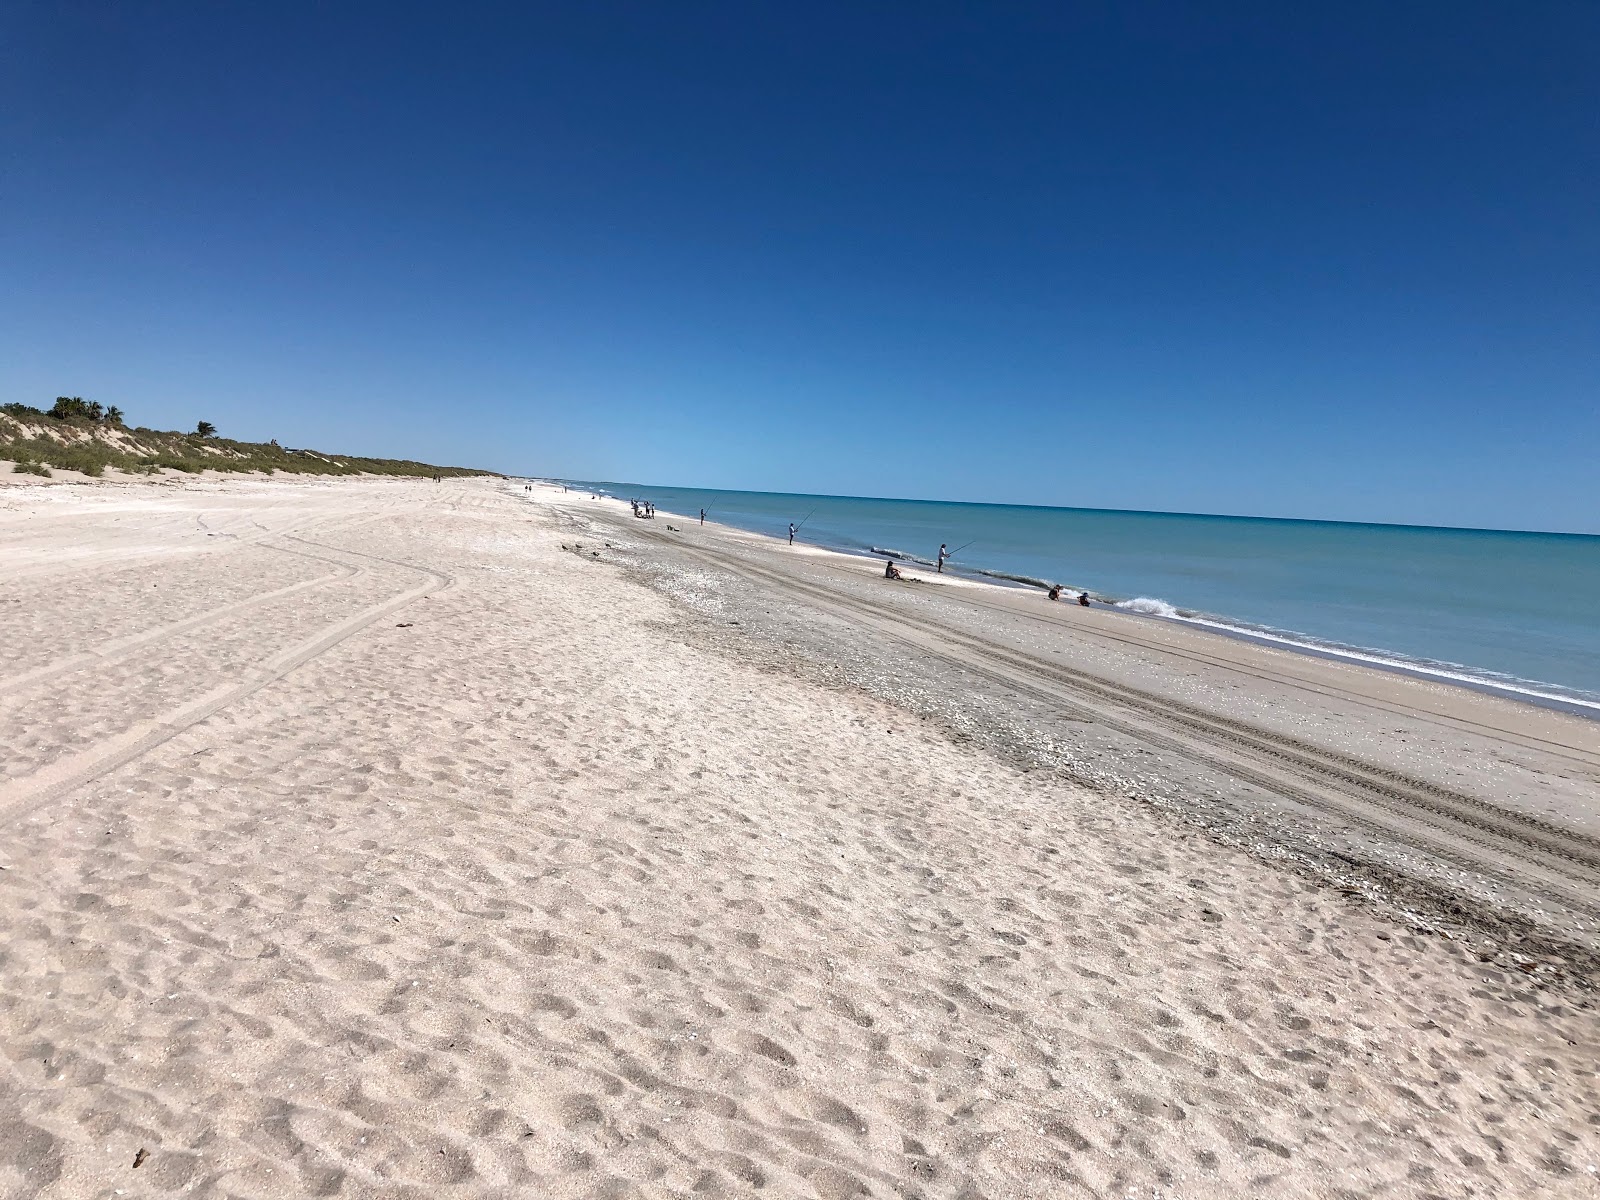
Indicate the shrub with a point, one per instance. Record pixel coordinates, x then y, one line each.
192 452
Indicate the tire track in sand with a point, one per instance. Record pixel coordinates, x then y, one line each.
123 647
23 796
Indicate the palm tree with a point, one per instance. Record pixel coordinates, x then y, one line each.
67 407
206 429
113 415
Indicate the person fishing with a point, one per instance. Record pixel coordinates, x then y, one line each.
945 555
793 529
702 516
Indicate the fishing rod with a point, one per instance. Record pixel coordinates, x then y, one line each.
958 550
802 524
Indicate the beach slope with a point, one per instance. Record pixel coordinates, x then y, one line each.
391 838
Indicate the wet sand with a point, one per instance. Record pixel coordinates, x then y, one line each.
372 838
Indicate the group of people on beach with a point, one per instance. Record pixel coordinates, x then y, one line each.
1055 594
891 571
644 509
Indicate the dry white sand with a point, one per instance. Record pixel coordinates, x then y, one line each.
360 841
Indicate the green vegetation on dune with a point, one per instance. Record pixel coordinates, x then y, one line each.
81 435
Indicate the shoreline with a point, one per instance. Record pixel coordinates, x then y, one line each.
1448 735
1526 691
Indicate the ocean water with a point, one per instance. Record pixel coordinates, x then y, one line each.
1518 612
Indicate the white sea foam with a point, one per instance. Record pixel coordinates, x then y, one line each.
1454 672
1148 605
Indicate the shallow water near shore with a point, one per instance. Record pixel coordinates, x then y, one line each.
1507 610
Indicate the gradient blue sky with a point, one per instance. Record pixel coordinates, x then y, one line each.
1321 261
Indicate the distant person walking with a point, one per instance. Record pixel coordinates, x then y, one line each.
944 553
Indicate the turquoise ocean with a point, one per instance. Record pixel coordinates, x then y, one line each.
1514 612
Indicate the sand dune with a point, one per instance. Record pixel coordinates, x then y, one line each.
360 840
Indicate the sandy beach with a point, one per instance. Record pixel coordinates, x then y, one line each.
385 838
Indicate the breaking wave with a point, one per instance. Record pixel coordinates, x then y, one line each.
901 555
1026 579
1149 606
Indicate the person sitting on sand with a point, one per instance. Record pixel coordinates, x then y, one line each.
1083 599
1055 591
890 571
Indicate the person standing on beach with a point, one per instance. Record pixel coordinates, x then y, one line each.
944 553
702 516
792 531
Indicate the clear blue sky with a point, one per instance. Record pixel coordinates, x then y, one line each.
1323 261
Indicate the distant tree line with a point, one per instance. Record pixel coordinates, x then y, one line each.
86 445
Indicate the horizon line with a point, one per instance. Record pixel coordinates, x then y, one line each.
1143 512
